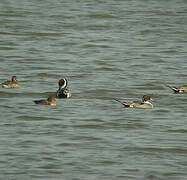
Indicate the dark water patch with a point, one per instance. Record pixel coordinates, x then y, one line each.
48 75
65 144
44 34
29 143
105 69
127 125
163 150
7 94
174 175
89 126
57 126
8 44
171 51
5 33
56 172
11 154
150 31
10 124
7 107
4 94
140 66
96 46
100 40
13 57
4 48
49 132
40 68
66 43
24 132
183 163
177 130
108 163
102 63
95 120
72 164
150 86
153 176
50 166
62 16
95 27
13 14
35 118
87 138
49 159
100 16
161 111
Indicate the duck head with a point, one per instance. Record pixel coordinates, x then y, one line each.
52 100
63 83
146 98
13 78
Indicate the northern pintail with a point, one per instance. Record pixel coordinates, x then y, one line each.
63 91
144 104
178 89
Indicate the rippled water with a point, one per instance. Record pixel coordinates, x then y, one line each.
112 49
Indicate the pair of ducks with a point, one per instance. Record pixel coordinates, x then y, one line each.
63 92
146 104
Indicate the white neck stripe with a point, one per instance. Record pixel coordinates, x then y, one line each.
65 84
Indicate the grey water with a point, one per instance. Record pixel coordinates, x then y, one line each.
106 49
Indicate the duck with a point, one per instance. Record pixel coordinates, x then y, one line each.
11 84
178 89
144 104
63 91
49 101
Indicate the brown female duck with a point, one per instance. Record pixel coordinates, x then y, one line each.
50 101
11 84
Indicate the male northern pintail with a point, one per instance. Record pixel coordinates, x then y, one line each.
178 89
144 104
50 101
63 91
11 84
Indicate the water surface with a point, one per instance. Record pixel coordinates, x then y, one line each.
113 49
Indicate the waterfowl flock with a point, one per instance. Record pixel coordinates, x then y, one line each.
64 92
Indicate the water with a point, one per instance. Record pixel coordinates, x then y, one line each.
113 49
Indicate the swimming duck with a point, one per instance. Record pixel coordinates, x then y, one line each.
63 91
11 84
50 101
144 104
178 89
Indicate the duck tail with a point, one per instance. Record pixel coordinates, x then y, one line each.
175 89
168 86
118 101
